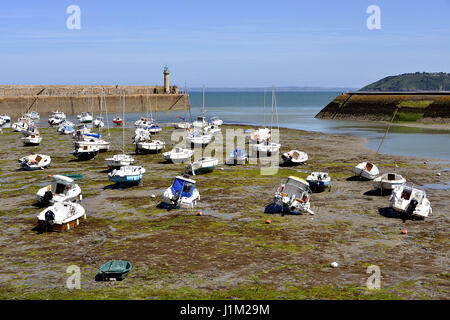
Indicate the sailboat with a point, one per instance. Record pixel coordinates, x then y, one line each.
119 160
178 154
154 128
198 136
144 143
267 146
99 122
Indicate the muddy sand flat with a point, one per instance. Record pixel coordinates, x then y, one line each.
229 252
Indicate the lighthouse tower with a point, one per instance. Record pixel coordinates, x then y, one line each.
166 79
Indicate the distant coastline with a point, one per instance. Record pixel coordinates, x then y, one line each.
277 89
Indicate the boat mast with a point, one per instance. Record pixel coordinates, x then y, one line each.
264 108
123 125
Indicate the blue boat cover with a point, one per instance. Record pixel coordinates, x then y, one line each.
184 187
238 153
93 135
68 128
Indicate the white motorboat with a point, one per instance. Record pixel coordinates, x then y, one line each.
85 117
182 193
201 122
294 157
265 147
127 175
198 138
33 115
57 118
411 201
388 181
32 140
294 196
144 123
98 122
150 146
367 170
61 189
202 166
90 139
212 130
86 152
61 216
216 121
119 160
22 124
5 117
35 162
318 180
178 155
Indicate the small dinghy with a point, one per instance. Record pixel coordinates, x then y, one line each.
238 156
182 193
86 152
32 140
119 160
388 181
411 201
294 157
35 162
61 216
62 188
204 165
98 122
318 180
367 170
178 155
114 270
294 196
127 175
117 121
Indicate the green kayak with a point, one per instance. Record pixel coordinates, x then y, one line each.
114 269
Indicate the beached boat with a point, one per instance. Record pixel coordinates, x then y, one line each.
294 157
212 130
318 180
32 139
114 269
204 165
216 121
22 124
117 121
61 216
411 201
260 135
67 128
119 160
178 155
56 118
238 156
144 123
35 162
388 181
80 130
196 137
127 175
294 196
86 152
154 128
150 146
91 139
182 193
62 188
367 170
200 122
265 147
85 117
5 117
98 122
33 115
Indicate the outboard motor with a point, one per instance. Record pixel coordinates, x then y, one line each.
176 198
412 206
48 195
49 220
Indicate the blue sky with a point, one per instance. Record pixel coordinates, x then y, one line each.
221 43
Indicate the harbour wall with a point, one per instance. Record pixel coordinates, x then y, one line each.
433 107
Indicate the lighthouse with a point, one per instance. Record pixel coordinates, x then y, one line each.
166 79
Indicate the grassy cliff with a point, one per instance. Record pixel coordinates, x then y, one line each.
412 82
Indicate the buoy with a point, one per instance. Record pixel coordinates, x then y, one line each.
268 221
334 264
404 231
438 173
199 213
424 162
153 196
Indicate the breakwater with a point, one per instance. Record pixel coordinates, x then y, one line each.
433 107
72 100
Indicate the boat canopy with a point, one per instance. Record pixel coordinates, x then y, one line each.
239 153
184 186
94 135
296 186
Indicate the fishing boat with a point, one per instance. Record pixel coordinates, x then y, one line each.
117 121
318 180
114 269
119 160
35 162
178 155
367 170
238 156
411 201
182 193
85 117
98 122
61 189
62 216
216 121
127 175
32 139
388 181
201 166
294 196
86 152
294 157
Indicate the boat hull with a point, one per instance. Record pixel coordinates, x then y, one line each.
60 227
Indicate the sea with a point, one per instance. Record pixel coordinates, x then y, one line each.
297 110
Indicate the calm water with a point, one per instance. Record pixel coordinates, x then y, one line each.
297 110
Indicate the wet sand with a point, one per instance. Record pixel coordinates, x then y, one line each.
229 252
